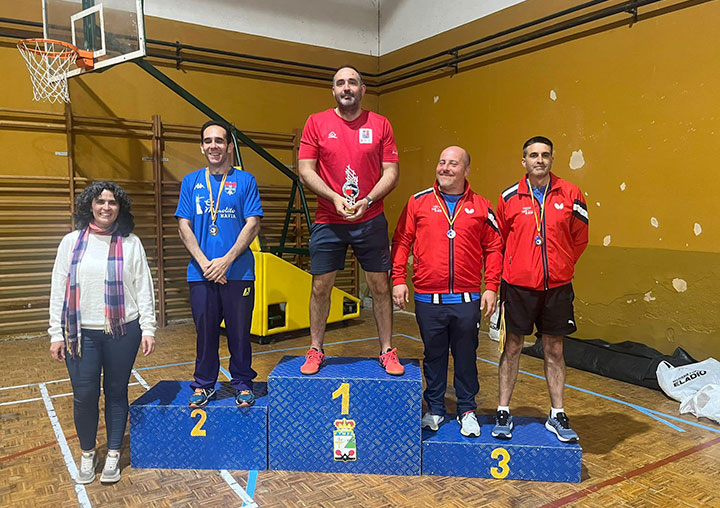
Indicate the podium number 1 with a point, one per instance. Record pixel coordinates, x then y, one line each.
344 392
197 429
503 470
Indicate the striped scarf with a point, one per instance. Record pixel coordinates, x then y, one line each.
114 293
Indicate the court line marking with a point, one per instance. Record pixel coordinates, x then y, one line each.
247 500
40 447
153 367
67 394
657 415
252 482
83 499
140 379
626 476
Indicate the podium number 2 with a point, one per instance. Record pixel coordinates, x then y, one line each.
503 470
197 429
344 392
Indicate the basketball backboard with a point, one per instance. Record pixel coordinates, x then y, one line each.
113 30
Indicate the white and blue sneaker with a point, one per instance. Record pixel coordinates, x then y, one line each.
431 421
503 425
469 425
560 426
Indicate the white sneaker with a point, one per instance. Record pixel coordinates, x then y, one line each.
431 421
86 473
469 425
111 471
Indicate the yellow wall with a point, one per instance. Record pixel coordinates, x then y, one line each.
642 104
640 101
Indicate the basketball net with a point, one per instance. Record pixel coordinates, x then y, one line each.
48 62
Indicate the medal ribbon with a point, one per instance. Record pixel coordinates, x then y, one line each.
450 220
214 207
538 224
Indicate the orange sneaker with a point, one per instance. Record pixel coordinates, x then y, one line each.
314 359
391 363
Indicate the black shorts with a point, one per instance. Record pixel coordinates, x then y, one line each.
551 311
369 240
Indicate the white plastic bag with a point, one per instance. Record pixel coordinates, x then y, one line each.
706 402
494 327
683 382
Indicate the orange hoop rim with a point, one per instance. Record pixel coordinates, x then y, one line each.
25 44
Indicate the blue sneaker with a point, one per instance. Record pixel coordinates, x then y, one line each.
244 398
201 397
503 425
560 426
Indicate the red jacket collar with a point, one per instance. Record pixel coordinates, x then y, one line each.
436 186
523 185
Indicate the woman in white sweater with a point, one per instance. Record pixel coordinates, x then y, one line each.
102 308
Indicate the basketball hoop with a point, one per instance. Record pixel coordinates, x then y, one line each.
48 62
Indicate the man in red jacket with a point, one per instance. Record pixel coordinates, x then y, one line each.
544 223
451 231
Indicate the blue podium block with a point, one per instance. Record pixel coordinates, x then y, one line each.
533 453
167 434
350 417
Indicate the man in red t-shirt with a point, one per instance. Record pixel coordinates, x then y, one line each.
349 159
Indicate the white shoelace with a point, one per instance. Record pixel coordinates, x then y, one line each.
87 462
112 461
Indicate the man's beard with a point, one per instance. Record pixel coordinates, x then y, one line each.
352 106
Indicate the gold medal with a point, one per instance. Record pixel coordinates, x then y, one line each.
451 233
538 224
214 207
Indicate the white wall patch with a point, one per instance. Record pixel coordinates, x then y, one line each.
697 229
577 160
654 222
622 186
553 95
649 297
607 240
680 285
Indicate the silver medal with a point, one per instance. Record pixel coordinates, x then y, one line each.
451 234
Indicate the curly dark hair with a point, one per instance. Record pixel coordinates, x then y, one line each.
83 206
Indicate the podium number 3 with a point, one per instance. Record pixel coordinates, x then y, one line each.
344 392
503 469
197 429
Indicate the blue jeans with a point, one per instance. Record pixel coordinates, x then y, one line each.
115 358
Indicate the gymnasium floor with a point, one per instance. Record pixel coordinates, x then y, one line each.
636 450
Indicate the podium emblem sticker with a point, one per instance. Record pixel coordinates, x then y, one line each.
344 445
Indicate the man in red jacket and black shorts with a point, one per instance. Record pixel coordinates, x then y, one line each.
451 232
544 223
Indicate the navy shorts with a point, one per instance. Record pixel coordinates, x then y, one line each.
369 240
551 311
